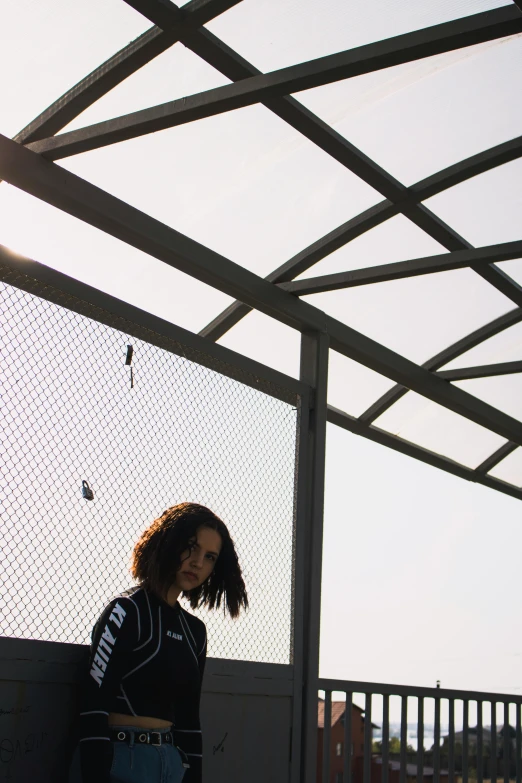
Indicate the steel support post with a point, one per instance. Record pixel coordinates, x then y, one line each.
309 545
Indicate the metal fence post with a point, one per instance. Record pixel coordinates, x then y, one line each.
309 544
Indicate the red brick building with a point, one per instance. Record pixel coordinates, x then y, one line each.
337 749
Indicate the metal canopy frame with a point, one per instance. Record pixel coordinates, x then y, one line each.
25 163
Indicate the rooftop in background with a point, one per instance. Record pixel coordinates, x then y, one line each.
338 710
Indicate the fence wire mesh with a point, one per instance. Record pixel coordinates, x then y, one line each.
174 425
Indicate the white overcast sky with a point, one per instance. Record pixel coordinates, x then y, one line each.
421 571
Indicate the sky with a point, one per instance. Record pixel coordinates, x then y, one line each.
420 569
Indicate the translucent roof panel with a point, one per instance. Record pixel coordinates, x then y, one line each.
279 346
351 386
486 209
503 392
243 183
276 34
435 428
53 45
420 117
420 316
510 469
52 237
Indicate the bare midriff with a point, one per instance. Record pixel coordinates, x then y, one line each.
141 721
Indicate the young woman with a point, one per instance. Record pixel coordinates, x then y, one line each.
140 699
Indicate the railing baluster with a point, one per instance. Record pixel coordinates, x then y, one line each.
420 740
465 742
436 743
385 737
488 750
493 770
518 745
480 745
347 776
327 733
451 741
368 739
507 743
404 738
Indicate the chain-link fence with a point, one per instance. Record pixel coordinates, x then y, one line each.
172 425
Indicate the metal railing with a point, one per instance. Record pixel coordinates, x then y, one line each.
474 753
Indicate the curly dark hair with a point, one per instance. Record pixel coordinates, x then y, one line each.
156 558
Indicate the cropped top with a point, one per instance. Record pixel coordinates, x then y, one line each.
147 658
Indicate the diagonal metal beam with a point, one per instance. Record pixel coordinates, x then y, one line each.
235 67
120 66
444 357
166 14
28 171
401 269
98 83
501 281
482 371
451 240
42 281
260 88
384 438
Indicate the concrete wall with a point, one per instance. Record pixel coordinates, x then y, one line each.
246 716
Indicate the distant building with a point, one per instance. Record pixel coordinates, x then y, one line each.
502 763
337 748
486 740
338 751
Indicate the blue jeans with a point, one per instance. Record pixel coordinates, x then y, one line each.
135 763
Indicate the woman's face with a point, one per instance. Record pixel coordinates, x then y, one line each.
197 562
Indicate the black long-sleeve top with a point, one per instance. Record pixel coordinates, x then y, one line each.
147 658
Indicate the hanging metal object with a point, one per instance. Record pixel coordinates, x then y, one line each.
87 492
128 363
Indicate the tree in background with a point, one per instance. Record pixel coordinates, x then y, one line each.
394 746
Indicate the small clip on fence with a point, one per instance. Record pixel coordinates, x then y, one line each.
128 363
87 492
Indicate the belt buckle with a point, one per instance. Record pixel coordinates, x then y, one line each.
158 735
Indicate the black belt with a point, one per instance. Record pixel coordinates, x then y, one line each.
143 737
149 738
